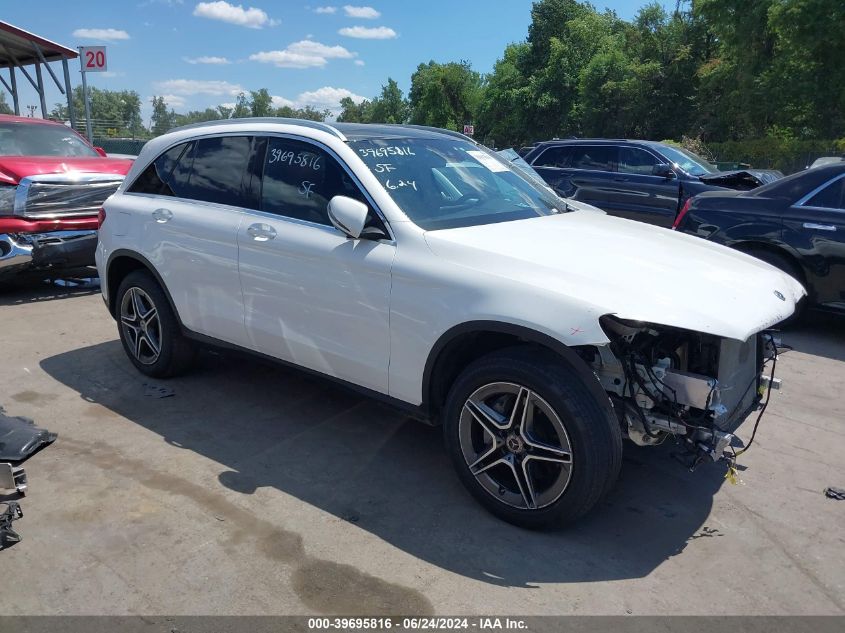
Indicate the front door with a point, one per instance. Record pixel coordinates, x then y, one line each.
637 194
312 296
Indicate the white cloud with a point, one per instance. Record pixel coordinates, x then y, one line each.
207 59
303 54
280 102
101 34
364 13
327 97
234 14
359 62
366 33
175 101
195 86
326 10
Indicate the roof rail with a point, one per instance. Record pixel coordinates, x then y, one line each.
439 130
316 125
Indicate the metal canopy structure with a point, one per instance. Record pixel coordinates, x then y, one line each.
21 50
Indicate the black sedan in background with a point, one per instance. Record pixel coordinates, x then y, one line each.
796 224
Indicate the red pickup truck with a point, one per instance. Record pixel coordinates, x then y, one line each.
52 184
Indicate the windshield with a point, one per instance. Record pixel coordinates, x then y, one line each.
691 163
38 139
449 183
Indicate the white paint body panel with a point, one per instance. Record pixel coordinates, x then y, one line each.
317 299
371 312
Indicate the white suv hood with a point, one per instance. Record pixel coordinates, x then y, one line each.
634 270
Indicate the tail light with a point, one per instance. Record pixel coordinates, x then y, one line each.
101 217
681 215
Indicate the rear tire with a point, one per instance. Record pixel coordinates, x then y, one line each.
783 264
149 330
529 439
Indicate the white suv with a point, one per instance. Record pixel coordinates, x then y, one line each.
416 265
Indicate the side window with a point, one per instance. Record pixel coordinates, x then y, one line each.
300 179
595 157
633 160
554 157
168 174
831 197
219 171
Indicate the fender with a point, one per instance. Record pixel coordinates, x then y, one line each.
122 252
523 333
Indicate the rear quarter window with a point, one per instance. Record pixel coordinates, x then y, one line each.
168 174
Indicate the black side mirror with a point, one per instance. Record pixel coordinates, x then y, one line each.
663 170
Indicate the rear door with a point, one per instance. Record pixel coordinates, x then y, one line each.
186 208
817 223
581 171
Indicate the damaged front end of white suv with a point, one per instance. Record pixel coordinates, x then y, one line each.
696 387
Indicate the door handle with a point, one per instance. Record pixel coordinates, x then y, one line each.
819 227
261 232
162 215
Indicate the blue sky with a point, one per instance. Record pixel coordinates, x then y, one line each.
202 54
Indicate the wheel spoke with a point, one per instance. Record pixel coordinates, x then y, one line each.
521 406
548 453
155 347
486 417
137 303
132 331
487 461
139 341
522 480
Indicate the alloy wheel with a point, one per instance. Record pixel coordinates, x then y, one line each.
141 325
515 445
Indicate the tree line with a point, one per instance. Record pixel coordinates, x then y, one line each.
714 70
711 70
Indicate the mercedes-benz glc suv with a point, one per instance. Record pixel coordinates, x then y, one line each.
417 266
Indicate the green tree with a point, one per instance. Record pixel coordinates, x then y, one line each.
502 119
351 112
241 109
4 107
390 106
113 112
734 102
260 103
196 116
806 80
162 118
445 95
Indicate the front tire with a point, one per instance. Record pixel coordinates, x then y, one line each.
529 439
149 330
